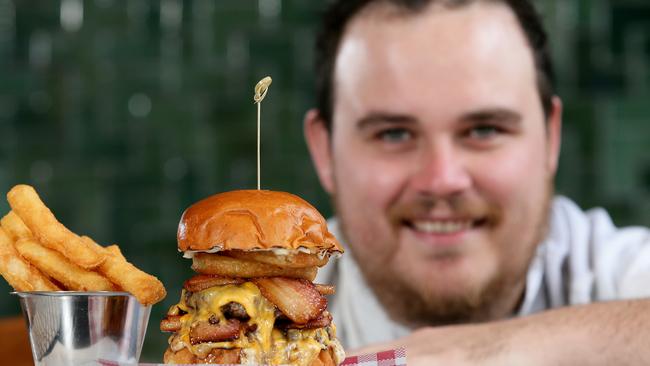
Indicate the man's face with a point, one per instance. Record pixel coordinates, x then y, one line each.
439 160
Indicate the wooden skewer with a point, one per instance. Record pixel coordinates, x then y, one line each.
260 92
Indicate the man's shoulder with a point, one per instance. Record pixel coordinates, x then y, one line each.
570 222
602 261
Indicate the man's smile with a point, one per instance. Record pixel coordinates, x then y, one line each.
442 226
442 232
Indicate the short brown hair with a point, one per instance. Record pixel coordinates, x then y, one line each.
341 12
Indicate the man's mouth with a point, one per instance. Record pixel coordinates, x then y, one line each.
442 226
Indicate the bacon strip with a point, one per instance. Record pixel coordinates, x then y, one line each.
206 332
172 323
202 281
321 322
296 298
325 289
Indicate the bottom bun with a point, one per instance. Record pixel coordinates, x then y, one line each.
231 356
325 358
216 356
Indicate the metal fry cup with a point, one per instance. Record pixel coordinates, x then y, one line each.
76 328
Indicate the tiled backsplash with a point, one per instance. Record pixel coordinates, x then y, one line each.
122 113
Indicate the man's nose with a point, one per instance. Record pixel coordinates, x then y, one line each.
441 171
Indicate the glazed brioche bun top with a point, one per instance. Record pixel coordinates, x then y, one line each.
255 220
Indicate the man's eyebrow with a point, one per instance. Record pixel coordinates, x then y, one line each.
497 115
380 118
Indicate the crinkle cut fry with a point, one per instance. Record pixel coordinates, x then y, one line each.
26 203
15 227
58 267
21 275
145 287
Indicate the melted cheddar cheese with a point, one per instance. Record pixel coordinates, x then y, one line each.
266 345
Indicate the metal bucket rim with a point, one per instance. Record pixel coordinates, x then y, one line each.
71 293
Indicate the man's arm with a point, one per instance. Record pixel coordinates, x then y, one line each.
607 333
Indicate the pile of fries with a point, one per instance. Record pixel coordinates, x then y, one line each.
38 253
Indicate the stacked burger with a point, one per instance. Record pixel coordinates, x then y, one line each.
253 301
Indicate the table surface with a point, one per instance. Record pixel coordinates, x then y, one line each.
14 344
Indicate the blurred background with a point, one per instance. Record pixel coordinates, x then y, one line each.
123 113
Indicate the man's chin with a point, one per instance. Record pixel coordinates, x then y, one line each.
443 305
457 290
447 270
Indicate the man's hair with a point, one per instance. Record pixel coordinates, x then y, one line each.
341 12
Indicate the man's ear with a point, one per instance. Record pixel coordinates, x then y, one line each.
318 141
554 134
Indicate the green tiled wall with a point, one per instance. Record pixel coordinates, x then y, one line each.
122 113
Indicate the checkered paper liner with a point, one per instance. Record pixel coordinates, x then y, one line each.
396 357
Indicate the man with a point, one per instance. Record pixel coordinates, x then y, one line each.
437 136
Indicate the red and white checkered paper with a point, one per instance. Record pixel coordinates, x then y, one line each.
396 357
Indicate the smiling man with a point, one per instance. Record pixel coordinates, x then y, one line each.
437 135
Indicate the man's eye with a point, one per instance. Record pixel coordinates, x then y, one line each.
395 135
483 132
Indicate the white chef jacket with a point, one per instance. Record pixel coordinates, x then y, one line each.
583 259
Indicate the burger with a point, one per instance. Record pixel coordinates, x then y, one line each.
252 300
